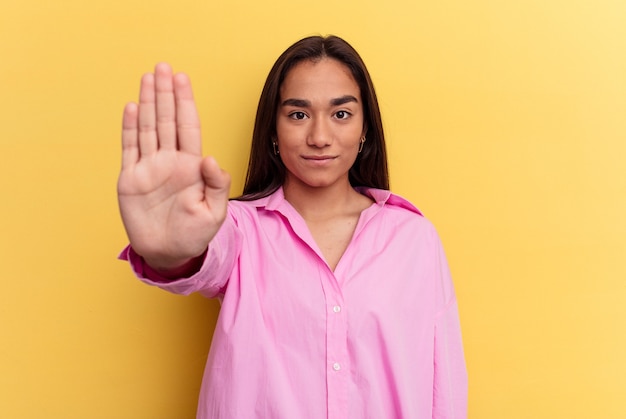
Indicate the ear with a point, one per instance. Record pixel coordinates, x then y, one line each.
364 132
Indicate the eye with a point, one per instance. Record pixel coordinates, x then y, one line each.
298 115
342 115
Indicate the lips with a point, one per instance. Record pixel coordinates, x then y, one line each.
320 158
319 161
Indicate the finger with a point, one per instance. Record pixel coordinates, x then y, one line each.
148 142
187 121
165 107
130 146
214 177
216 181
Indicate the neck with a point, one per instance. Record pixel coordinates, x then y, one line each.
322 202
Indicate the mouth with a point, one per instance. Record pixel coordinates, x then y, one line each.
319 158
319 161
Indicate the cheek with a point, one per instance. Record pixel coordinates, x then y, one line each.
285 132
353 136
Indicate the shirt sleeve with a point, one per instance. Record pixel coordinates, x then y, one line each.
450 374
213 275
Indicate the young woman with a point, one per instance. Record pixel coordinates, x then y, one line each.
336 296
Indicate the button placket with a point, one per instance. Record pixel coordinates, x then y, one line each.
337 358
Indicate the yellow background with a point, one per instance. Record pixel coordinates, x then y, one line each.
506 125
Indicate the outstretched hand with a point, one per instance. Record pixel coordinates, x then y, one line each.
172 200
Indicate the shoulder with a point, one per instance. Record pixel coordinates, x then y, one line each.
391 202
241 210
398 211
250 209
386 198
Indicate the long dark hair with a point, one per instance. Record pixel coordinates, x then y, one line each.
266 172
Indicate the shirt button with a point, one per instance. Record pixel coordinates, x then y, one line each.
337 309
336 366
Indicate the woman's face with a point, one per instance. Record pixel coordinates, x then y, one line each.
319 123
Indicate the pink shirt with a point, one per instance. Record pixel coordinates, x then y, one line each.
377 338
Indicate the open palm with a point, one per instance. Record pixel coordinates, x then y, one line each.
172 200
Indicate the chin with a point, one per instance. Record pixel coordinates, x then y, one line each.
320 183
317 180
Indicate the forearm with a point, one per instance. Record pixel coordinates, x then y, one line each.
208 273
172 270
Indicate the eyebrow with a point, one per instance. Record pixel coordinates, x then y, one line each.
303 103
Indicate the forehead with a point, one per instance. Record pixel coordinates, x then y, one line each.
315 78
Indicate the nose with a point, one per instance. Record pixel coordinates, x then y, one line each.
320 134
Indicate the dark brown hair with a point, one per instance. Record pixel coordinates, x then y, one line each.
266 172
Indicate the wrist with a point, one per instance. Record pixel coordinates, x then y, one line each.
173 269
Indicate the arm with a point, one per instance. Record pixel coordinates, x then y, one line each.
450 381
172 200
209 278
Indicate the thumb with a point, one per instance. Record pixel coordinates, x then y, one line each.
216 180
